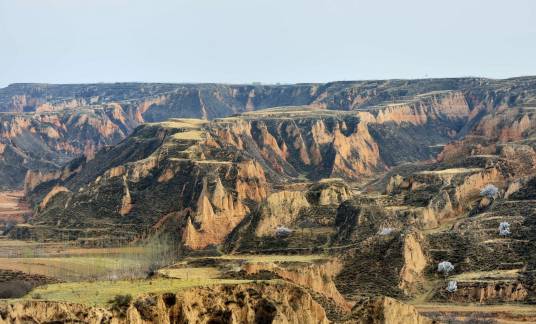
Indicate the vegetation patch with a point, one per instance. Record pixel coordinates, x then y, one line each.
101 292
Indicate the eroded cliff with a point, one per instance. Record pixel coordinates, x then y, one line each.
242 303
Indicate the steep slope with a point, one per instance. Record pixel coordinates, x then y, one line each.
119 107
216 100
241 303
46 141
293 180
207 176
164 173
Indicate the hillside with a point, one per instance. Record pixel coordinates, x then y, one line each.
344 202
45 125
237 162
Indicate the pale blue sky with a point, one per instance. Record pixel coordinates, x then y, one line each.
71 41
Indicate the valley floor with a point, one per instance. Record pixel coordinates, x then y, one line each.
94 277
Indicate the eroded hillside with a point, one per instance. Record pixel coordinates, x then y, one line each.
60 122
206 177
402 199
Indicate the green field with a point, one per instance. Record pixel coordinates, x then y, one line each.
191 273
252 258
77 268
100 292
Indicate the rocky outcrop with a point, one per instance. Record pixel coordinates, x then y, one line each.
243 303
316 276
218 212
280 209
297 141
385 310
48 312
487 292
306 211
43 142
56 190
438 195
220 172
426 112
507 125
276 303
329 192
390 264
415 261
208 188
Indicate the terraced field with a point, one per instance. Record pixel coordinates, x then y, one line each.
99 293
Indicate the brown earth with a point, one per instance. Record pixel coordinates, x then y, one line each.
13 207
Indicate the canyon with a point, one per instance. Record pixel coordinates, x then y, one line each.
308 203
44 125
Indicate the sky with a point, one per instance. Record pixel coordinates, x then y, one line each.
268 41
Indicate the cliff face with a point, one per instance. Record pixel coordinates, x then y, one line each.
242 303
207 176
317 276
401 257
319 143
292 180
170 173
386 310
104 114
46 141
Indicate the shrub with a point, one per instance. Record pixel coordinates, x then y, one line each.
145 307
489 191
445 267
120 303
452 286
37 296
504 229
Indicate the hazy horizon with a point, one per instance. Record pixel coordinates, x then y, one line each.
241 41
265 83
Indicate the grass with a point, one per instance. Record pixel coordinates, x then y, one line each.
285 112
252 258
75 268
191 123
17 248
14 248
189 135
487 275
451 171
72 263
192 128
191 273
510 308
8 243
100 292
